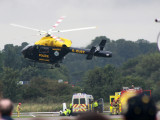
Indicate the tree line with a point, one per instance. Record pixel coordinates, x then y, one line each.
142 71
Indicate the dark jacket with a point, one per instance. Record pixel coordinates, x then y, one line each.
7 118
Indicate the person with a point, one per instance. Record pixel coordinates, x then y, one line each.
141 107
64 113
132 86
117 105
18 109
68 112
91 116
95 106
6 108
115 109
70 106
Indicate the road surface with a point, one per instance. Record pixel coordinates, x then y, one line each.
55 116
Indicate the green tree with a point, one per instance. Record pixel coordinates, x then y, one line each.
99 81
48 89
10 83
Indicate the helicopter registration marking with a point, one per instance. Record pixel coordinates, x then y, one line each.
78 51
57 49
44 60
43 55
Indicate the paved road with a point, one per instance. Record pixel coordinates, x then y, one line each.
49 116
52 116
58 118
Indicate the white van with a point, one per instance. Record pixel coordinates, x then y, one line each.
81 102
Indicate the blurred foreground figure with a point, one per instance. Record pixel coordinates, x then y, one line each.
6 108
141 107
91 116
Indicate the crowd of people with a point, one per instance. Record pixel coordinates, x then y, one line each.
140 107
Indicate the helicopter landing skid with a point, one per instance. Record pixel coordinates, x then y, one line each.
56 65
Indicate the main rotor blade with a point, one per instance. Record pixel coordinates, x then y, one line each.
41 31
76 29
57 38
158 41
58 21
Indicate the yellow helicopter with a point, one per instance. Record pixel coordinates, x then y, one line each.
52 49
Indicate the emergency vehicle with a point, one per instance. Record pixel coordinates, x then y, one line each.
118 102
81 102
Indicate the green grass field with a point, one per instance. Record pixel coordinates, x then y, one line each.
50 107
53 107
35 107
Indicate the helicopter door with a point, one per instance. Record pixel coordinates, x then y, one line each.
44 54
44 50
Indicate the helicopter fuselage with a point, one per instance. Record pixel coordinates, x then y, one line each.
52 55
44 54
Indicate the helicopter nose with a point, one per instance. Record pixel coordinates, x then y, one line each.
23 51
26 50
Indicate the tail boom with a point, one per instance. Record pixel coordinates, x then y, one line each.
91 52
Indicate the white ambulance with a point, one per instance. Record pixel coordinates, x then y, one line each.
81 102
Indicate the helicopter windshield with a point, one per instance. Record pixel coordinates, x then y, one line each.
25 48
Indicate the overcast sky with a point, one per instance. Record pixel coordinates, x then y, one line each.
115 19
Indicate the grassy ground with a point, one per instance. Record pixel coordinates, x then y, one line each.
50 107
35 107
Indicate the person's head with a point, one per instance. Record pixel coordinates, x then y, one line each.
6 107
132 86
91 116
141 107
19 103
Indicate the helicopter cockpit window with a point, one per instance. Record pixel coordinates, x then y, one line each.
30 47
44 50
